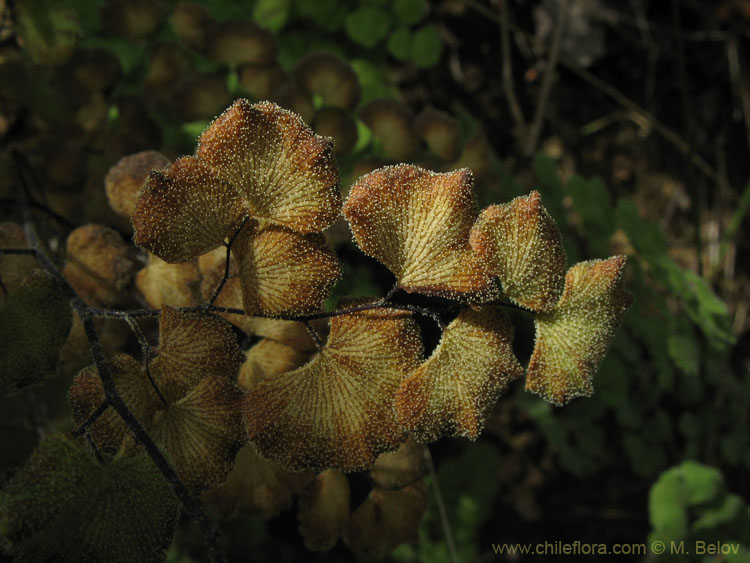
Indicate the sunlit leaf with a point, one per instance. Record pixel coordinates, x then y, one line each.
193 346
284 272
281 169
34 323
324 510
454 390
337 410
86 394
417 223
522 246
64 505
571 340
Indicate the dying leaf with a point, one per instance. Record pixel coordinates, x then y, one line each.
324 510
98 264
417 223
34 323
521 244
193 346
386 519
86 394
64 505
454 390
256 486
162 283
337 410
282 171
395 470
202 432
185 211
284 272
572 339
125 179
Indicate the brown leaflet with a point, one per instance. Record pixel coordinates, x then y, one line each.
417 223
520 244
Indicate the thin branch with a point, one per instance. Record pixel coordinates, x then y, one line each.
314 335
532 139
43 208
94 447
192 505
668 134
227 261
441 508
507 72
145 356
93 417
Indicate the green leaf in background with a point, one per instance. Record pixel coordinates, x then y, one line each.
47 30
34 324
271 14
399 43
684 353
368 25
327 14
426 47
66 506
592 202
410 11
373 80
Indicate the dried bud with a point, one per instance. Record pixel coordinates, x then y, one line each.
124 180
327 76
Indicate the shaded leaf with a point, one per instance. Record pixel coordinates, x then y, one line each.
34 323
386 519
522 246
256 485
267 358
193 346
14 268
337 410
98 264
202 432
395 470
86 394
572 339
65 506
454 390
324 510
417 223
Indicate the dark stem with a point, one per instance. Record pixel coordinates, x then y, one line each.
94 447
227 263
43 208
93 417
192 505
145 356
314 335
